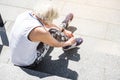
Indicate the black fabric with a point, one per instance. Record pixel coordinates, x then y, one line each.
58 35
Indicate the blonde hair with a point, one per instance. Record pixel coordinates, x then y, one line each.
46 12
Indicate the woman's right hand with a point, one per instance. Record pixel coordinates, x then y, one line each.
70 41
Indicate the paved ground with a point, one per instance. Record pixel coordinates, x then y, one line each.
98 58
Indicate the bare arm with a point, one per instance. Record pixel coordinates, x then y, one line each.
41 34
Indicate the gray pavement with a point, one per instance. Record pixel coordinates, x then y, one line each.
16 73
98 58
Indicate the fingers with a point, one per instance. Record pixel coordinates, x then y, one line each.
71 35
71 40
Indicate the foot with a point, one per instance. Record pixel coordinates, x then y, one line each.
77 43
68 19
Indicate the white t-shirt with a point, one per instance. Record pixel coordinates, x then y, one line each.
23 51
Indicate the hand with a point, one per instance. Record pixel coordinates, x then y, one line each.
70 41
68 33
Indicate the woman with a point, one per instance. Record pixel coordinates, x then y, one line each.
31 31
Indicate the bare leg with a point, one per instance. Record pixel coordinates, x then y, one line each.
68 19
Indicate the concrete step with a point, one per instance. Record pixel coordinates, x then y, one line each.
11 72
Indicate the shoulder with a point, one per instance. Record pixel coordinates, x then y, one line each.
37 33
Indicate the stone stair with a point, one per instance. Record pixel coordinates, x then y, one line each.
10 72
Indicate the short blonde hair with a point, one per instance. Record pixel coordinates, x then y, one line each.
46 12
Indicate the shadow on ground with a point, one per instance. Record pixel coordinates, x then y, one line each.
4 38
3 34
72 29
58 67
1 46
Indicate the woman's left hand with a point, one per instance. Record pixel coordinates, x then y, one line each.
68 33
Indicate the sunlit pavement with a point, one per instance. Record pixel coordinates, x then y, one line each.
98 58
